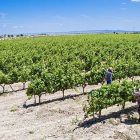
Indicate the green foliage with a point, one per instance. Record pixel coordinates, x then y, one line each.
36 87
2 78
109 95
63 62
24 74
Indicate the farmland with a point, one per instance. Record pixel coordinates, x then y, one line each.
63 62
56 64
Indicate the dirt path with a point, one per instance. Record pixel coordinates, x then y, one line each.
58 119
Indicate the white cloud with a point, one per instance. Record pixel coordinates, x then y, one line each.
135 0
17 27
123 8
57 17
124 3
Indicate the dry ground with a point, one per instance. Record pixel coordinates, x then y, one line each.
57 119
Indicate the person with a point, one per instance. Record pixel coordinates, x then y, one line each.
137 93
109 74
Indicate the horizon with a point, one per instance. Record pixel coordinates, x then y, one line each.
73 32
42 16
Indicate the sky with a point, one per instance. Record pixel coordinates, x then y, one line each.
37 16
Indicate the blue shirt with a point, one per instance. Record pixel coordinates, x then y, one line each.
108 76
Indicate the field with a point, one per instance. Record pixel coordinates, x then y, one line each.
54 67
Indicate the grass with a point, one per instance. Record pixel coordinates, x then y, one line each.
14 109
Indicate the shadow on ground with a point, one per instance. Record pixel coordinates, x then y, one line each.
116 115
53 100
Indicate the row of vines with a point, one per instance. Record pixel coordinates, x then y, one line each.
55 63
109 95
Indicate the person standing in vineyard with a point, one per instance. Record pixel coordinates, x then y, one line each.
108 76
137 93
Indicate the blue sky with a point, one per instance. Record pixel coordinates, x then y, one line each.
30 16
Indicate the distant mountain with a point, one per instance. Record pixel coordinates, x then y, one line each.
91 32
78 32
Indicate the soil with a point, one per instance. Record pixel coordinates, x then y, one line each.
58 119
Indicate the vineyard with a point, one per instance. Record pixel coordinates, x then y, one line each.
58 63
58 66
